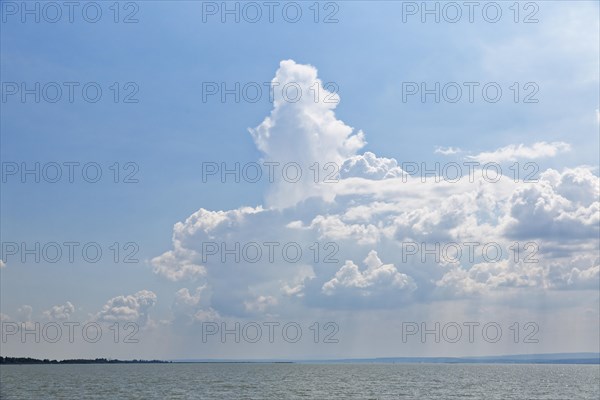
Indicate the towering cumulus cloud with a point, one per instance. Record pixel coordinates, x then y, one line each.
303 129
365 238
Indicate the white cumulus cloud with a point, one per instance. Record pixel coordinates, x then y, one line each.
372 210
376 276
130 308
60 312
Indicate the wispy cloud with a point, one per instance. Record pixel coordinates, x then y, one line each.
447 151
515 152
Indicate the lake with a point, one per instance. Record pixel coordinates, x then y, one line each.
300 381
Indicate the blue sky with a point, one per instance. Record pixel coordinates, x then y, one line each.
170 52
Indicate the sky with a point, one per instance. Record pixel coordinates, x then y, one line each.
299 180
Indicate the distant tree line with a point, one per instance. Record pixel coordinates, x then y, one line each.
27 360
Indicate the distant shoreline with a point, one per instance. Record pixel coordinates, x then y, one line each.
561 358
28 360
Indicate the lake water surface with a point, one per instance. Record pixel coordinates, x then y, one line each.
300 381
